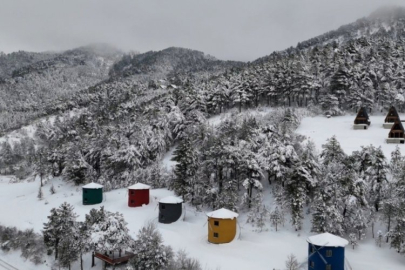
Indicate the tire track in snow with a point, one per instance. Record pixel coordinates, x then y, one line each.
7 266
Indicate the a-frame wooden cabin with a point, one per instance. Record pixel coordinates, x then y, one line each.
396 134
391 118
362 120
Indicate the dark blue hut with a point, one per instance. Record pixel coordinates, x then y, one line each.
326 252
170 209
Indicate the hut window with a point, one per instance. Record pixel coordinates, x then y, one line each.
132 192
163 206
216 223
329 253
216 235
85 191
328 267
312 264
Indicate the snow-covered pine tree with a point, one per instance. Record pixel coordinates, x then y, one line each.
396 163
150 253
377 178
253 173
60 224
353 240
296 192
110 232
186 157
258 213
332 151
327 207
68 252
82 241
276 218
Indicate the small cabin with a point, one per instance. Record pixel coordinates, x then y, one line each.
170 209
326 252
112 258
362 121
391 118
396 134
138 195
92 194
222 226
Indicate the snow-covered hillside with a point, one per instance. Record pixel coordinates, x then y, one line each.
320 128
250 250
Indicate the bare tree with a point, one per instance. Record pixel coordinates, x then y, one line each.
291 263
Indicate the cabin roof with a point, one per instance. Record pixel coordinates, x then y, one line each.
392 111
92 186
139 186
171 200
223 214
327 240
397 126
362 113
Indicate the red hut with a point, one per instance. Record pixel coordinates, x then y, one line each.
138 195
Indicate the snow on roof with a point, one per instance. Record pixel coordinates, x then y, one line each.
171 200
328 240
223 214
139 186
93 186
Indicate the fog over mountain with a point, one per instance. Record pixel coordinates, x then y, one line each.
228 29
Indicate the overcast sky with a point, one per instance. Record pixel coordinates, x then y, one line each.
227 29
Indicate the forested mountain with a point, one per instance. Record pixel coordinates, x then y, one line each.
32 83
170 61
134 108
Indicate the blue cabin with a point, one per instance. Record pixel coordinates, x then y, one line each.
326 252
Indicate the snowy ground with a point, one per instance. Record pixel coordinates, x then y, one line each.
29 130
250 250
320 128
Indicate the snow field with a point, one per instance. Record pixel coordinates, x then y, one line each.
320 128
250 250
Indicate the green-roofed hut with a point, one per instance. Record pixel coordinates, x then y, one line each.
92 194
362 121
391 118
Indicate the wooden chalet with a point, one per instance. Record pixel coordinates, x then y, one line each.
112 258
396 134
362 121
391 118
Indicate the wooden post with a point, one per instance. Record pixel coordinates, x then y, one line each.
92 260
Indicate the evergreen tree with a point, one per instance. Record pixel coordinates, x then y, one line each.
150 253
332 151
109 232
60 225
186 157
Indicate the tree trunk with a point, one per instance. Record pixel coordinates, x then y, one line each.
269 177
372 229
56 250
388 226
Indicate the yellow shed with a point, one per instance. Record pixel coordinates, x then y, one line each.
221 226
